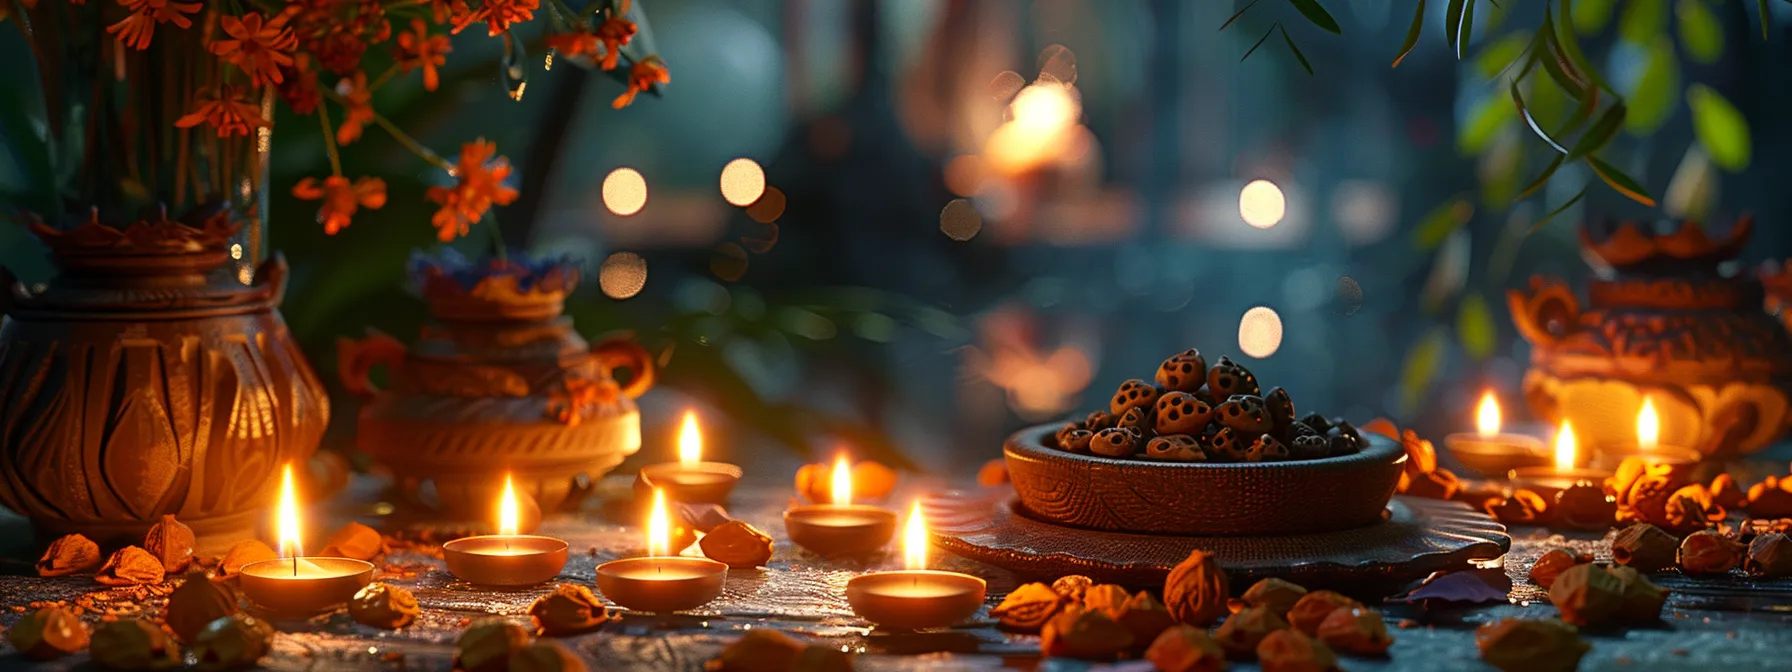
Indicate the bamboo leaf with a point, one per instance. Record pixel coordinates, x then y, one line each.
1601 132
1420 368
1297 54
1485 120
1761 5
1260 41
1453 23
1441 222
1700 32
1588 103
1500 56
1571 49
1642 20
1247 7
1525 114
1474 327
1590 16
1412 34
1552 214
1467 29
1719 126
1542 178
1619 182
1317 14
1652 99
1554 63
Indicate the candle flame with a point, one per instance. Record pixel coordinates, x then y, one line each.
1565 446
287 515
1487 416
842 480
659 527
690 440
507 518
1648 425
914 539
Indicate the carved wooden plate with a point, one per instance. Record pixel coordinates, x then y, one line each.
1202 498
1416 537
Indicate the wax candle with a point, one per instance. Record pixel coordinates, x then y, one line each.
916 598
1489 451
505 558
691 479
1648 447
661 582
1564 474
840 527
295 585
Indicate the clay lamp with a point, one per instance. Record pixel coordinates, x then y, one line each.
1490 452
1552 480
916 598
661 583
690 479
506 558
1648 446
840 528
298 586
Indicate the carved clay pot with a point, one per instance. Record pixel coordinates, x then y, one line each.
1661 321
139 383
500 382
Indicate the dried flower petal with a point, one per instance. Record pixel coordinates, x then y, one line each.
570 609
235 642
73 554
1643 599
738 545
822 658
479 184
1243 631
48 633
1769 556
1084 633
1725 492
1521 507
1145 617
1311 609
1586 594
1708 552
383 605
1585 506
1645 548
133 644
196 603
545 656
993 473
355 541
1356 631
1197 589
1028 608
1690 509
1277 594
1771 498
486 645
130 566
1186 648
171 542
1435 484
1290 650
1106 598
1073 586
1520 645
759 650
1552 563
243 553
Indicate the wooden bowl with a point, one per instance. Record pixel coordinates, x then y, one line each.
1202 498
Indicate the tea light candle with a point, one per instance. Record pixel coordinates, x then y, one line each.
505 558
840 528
690 479
661 583
1648 446
1490 452
916 598
1552 480
299 586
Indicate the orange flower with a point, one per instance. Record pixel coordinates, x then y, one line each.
573 44
615 32
137 29
479 184
341 199
299 85
497 14
260 48
357 107
645 73
419 49
225 110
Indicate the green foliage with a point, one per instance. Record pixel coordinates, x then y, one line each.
1441 222
1719 126
1421 367
1474 326
1642 20
1700 33
1317 14
1590 16
1652 98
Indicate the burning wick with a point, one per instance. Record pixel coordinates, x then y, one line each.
288 518
507 516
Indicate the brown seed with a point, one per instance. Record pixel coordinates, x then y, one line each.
1114 442
1181 413
1311 609
1586 594
383 605
1645 548
759 650
1084 633
354 541
1185 372
1643 599
196 603
1145 617
73 554
1277 594
1186 648
1769 556
1197 589
1708 552
1359 632
1585 506
1132 394
129 566
1291 650
1521 645
569 610
737 544
1072 587
1028 608
171 542
1074 439
133 644
235 642
545 656
1175 448
1243 631
47 633
1106 598
1552 563
487 645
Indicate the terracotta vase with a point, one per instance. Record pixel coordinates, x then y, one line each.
499 382
1661 321
140 383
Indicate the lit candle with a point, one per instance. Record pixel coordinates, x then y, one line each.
690 479
841 527
661 582
295 585
1648 446
916 598
1491 452
1551 480
506 558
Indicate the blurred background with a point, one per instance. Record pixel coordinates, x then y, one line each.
931 243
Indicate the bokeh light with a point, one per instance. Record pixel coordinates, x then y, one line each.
729 262
743 182
960 220
964 174
769 207
1349 296
622 275
1261 204
1260 332
625 191
1044 109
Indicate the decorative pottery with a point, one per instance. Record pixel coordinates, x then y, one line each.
1661 320
1202 498
499 382
140 383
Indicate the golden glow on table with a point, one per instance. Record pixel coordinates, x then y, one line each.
506 558
294 584
661 583
916 598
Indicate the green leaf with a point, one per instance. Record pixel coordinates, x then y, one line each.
1559 209
1317 14
1652 100
1412 34
1589 101
1601 132
1497 57
1720 127
1542 178
1467 29
1297 54
1247 7
1474 327
1260 41
1484 121
1642 20
1700 34
1420 367
1570 46
1761 7
1441 222
1525 114
1619 182
1555 63
1590 16
1453 23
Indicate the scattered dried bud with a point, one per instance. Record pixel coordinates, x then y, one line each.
738 545
1725 492
1276 594
133 644
1084 633
1196 590
1243 631
197 603
1645 548
1289 650
1311 609
1587 594
1690 509
1642 490
383 605
759 650
1072 587
234 642
1145 617
355 541
1359 632
545 656
1585 506
1553 562
73 554
1771 498
822 658
487 644
48 633
570 609
1435 484
1106 598
1519 645
1769 556
1707 552
171 542
1521 507
1028 608
1643 599
130 566
993 473
1186 648
243 553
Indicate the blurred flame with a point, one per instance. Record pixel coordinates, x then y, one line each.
842 480
1648 425
914 539
287 517
1565 446
659 527
690 440
1044 116
1487 416
507 509
1038 382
